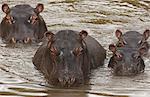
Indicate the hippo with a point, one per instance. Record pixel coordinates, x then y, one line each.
67 57
126 61
22 24
133 39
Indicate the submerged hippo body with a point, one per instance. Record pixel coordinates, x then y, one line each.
126 61
67 57
22 23
133 39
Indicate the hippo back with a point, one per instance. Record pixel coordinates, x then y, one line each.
96 52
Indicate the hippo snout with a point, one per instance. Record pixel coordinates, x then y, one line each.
25 40
127 69
67 80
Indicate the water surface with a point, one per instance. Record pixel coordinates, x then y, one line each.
100 18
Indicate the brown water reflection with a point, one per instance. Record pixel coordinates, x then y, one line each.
100 18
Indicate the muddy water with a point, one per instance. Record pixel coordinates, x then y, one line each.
100 18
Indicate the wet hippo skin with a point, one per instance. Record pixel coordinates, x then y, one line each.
126 61
67 57
133 39
22 23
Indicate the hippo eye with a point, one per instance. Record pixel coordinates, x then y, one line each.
78 51
118 56
29 21
54 51
60 54
10 19
121 43
13 21
143 44
33 19
140 42
136 56
124 42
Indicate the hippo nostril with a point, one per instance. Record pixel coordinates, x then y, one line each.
71 81
62 81
67 81
27 40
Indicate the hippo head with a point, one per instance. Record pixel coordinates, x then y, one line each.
68 53
22 23
126 61
133 39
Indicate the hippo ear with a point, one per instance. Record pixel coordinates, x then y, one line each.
142 50
146 34
39 8
49 35
83 34
5 8
112 48
118 34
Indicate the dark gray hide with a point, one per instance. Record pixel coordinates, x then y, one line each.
67 57
22 23
133 39
126 61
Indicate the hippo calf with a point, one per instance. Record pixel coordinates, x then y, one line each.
126 61
22 23
133 39
66 58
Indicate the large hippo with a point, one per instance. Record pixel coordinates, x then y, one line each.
22 23
133 39
126 61
67 57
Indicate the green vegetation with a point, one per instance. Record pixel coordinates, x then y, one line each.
25 90
101 12
121 21
125 14
8 94
97 21
102 21
133 2
136 3
65 1
105 94
62 25
70 1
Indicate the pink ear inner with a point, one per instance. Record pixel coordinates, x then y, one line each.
118 34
